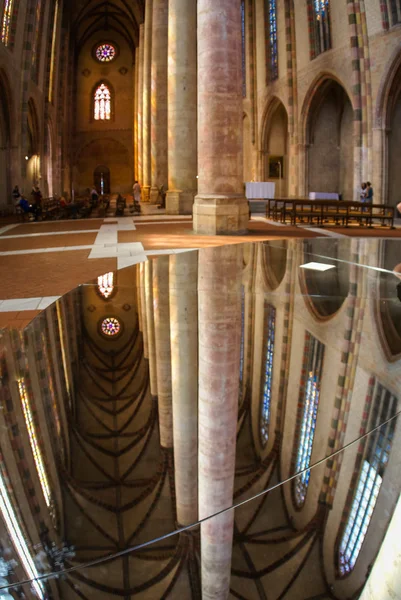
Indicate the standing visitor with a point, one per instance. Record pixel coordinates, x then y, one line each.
362 193
136 190
94 197
369 193
36 195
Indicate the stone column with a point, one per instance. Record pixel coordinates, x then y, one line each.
136 94
184 371
182 107
147 64
150 322
220 206
163 352
219 295
140 103
159 98
144 320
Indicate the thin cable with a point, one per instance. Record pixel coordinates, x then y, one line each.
166 536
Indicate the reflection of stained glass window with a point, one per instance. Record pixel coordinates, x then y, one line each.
105 284
37 454
313 362
102 103
267 376
374 462
243 48
17 536
105 52
271 40
111 326
6 22
321 26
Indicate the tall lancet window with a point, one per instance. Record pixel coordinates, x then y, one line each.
271 40
6 22
33 439
53 51
37 39
319 26
308 407
267 371
372 460
17 535
243 38
105 285
102 103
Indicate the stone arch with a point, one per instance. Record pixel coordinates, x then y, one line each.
388 126
112 154
327 138
49 153
33 144
275 144
5 139
388 303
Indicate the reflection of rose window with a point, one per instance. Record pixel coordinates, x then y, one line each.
105 53
105 284
111 326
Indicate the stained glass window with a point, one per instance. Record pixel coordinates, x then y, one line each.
6 22
53 52
17 536
378 448
105 52
37 36
394 9
102 103
111 327
243 48
320 31
271 40
105 284
37 454
312 372
267 376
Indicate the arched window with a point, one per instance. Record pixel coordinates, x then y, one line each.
307 413
371 464
271 40
105 285
319 26
17 535
267 371
102 103
37 39
6 22
36 451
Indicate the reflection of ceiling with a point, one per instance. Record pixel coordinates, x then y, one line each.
101 404
91 16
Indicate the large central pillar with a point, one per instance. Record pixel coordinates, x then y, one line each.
219 356
184 371
220 206
147 65
159 98
182 107
139 94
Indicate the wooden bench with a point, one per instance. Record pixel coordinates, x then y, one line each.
327 212
50 208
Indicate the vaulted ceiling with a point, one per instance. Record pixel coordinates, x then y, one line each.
91 16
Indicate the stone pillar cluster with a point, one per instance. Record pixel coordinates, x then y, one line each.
190 307
188 133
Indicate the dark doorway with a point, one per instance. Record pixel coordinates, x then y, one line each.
102 179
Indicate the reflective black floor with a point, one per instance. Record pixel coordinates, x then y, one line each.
119 446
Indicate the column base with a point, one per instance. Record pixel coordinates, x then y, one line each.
145 193
179 202
154 197
221 215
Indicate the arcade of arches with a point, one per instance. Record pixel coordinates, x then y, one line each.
130 86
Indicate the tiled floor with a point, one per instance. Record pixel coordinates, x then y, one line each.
41 261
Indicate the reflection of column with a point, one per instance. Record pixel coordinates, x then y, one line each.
140 104
182 106
136 94
147 63
163 353
184 371
150 327
220 206
143 321
219 354
159 98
